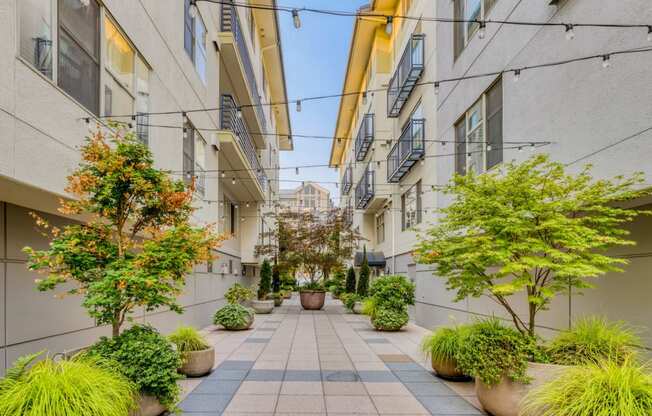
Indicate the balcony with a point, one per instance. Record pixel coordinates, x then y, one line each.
237 148
407 151
347 180
408 72
365 190
238 63
365 137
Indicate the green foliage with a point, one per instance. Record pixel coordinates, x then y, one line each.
349 300
337 282
19 367
265 285
444 343
592 340
350 280
146 358
81 386
369 307
276 279
529 229
138 246
363 282
605 388
233 316
389 319
312 286
491 350
392 292
238 293
188 339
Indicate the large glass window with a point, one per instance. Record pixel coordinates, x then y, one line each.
200 164
380 228
35 23
194 40
411 207
142 100
120 56
188 151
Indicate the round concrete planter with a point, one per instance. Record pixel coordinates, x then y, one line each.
447 369
246 325
504 398
198 363
148 406
312 300
357 308
278 301
262 306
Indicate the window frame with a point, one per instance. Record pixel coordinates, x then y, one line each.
459 12
407 223
189 34
380 227
54 39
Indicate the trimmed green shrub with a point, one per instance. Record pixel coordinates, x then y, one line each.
188 339
350 281
80 386
349 300
146 358
491 350
596 389
368 307
363 282
238 293
392 292
444 343
591 340
389 319
233 316
265 285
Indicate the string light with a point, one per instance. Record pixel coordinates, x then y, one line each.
296 19
233 181
298 106
482 29
223 174
517 75
489 147
192 11
364 98
606 61
389 25
296 170
238 112
570 33
436 84
649 33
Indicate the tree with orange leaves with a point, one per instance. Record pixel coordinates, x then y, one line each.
139 244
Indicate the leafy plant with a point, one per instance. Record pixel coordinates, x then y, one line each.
139 244
350 280
392 292
444 343
336 286
389 319
605 388
233 316
369 307
349 300
363 282
312 286
265 285
593 339
188 339
238 293
529 229
146 358
490 351
80 386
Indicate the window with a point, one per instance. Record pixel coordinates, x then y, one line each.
411 207
232 217
467 10
188 151
479 133
200 164
194 40
120 72
35 20
380 228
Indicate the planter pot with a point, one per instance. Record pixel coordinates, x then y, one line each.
357 308
504 398
287 295
278 301
198 363
312 300
447 369
247 325
148 406
262 306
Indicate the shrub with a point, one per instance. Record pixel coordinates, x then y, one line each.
265 285
188 339
369 307
310 286
81 386
444 343
338 282
233 316
146 358
350 281
392 292
596 389
349 300
491 351
591 340
363 281
389 319
276 279
238 293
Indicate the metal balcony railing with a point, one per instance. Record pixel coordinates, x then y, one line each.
407 151
348 215
229 120
230 22
365 137
347 180
365 190
407 73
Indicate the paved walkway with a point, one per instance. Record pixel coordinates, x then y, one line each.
321 363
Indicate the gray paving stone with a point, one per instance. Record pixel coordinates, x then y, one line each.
302 375
415 376
377 341
236 365
220 374
265 375
429 389
448 405
257 340
377 376
404 367
225 387
340 375
205 403
266 329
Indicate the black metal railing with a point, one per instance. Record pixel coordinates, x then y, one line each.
365 137
365 190
347 180
407 73
407 151
348 214
230 120
230 22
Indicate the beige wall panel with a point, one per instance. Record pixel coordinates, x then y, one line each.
22 231
2 302
7 58
2 230
7 160
2 362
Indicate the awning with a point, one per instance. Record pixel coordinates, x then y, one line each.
375 259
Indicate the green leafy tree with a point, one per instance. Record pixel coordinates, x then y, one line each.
138 245
363 281
350 280
530 229
265 285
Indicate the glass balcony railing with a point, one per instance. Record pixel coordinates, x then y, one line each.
407 151
407 73
229 120
365 137
347 180
366 189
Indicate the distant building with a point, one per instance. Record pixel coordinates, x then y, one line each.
308 196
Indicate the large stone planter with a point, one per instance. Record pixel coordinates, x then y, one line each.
504 398
262 306
357 308
278 301
312 300
247 324
148 406
447 369
198 363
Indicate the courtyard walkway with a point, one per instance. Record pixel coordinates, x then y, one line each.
326 362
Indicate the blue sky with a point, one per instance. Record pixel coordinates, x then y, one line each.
315 60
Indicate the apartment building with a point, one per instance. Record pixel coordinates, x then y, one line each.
64 61
308 196
583 108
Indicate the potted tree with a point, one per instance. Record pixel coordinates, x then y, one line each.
362 288
197 355
538 232
263 304
389 297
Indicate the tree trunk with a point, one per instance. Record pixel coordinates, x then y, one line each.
116 329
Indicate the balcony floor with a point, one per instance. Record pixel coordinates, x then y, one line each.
324 362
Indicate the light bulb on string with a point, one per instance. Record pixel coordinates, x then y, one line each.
298 106
223 174
296 170
482 30
649 33
436 87
238 112
247 204
364 98
520 149
517 75
87 120
296 19
389 25
606 61
533 146
570 32
489 147
233 181
192 10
